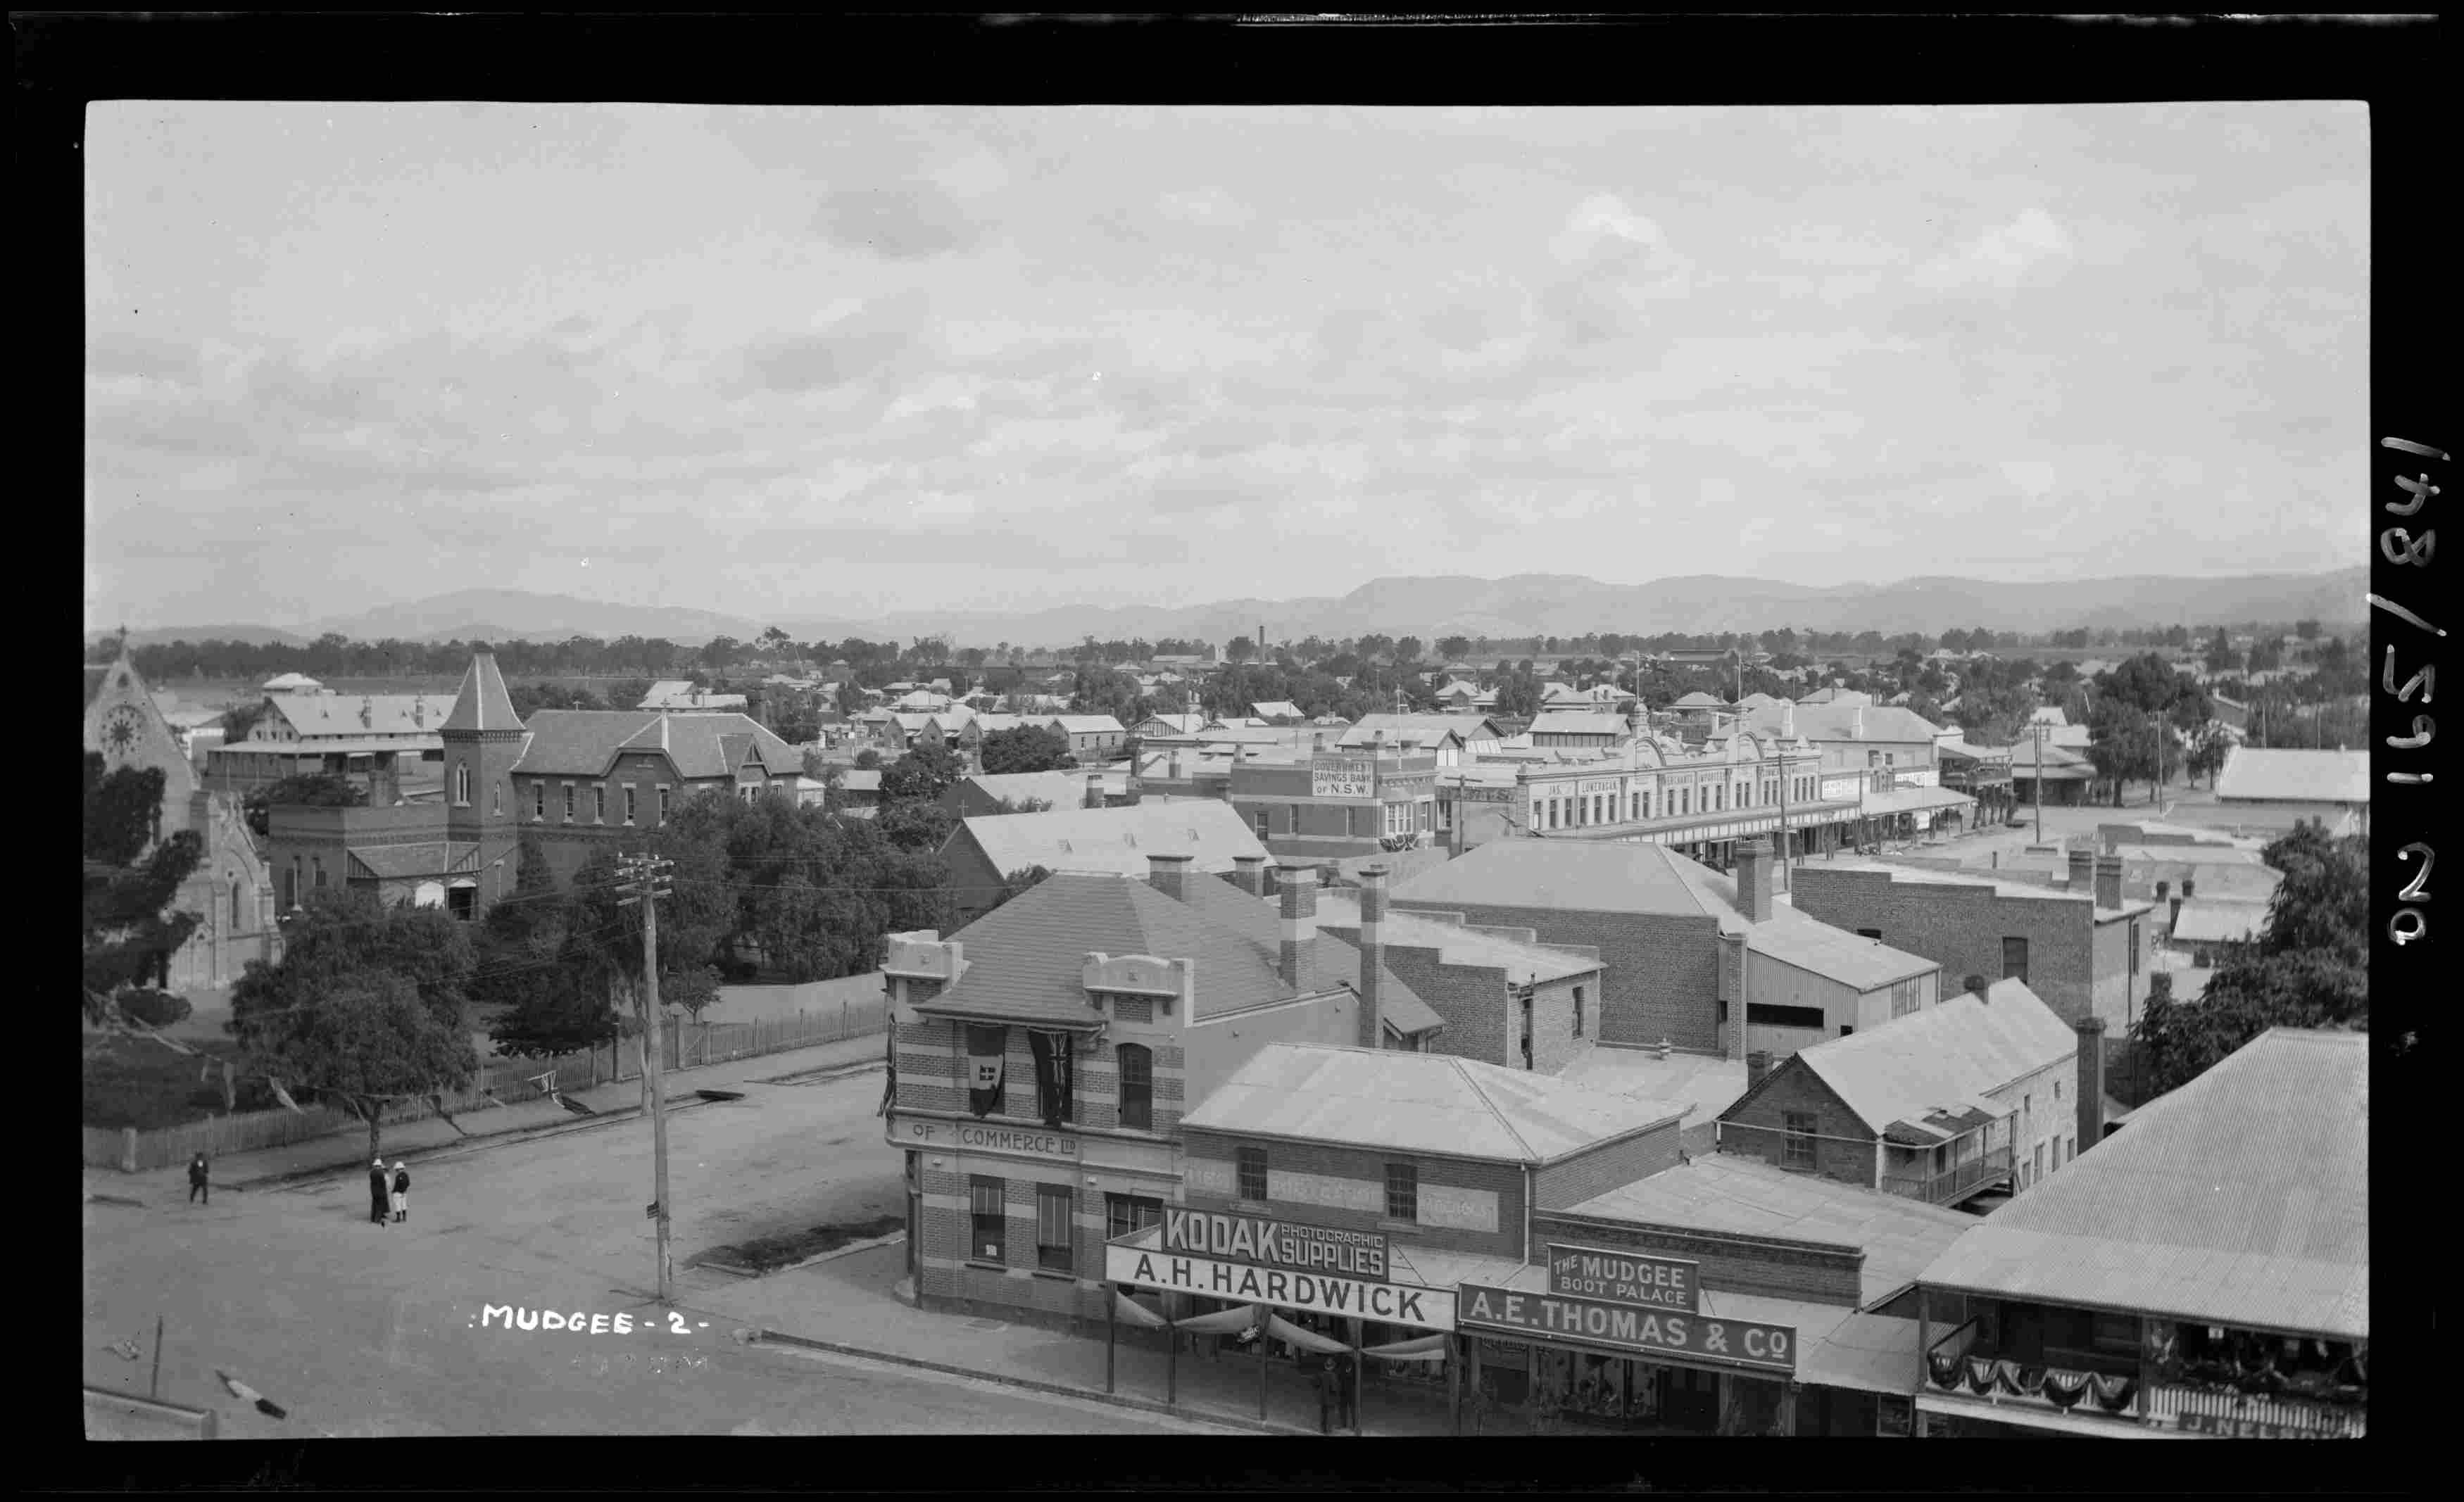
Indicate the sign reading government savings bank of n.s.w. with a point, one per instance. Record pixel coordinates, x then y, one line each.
1285 1287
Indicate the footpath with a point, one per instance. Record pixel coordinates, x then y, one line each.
430 1139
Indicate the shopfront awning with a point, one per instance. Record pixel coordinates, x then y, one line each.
1916 800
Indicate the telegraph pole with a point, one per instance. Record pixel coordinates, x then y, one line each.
644 878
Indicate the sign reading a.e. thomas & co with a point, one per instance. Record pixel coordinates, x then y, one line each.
1732 1342
1624 1278
1264 1242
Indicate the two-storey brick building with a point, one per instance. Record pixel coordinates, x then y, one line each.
1506 998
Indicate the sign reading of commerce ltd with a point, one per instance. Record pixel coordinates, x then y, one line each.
1731 1342
1627 1277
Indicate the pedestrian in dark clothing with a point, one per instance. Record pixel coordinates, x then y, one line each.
198 1187
400 1190
1326 1397
1347 1389
377 1205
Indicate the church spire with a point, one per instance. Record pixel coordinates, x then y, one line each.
482 703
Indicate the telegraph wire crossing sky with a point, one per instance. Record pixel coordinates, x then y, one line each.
840 361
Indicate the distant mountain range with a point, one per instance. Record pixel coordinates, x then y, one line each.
1525 604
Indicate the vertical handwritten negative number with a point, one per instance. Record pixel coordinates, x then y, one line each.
2425 679
2403 933
2401 546
676 1323
2420 491
2423 728
2417 890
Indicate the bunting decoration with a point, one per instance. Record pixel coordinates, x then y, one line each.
2064 1388
1945 1368
2113 1394
986 1048
1052 1075
1980 1374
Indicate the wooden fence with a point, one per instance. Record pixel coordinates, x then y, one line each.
508 1080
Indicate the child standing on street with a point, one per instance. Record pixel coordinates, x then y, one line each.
198 1187
400 1190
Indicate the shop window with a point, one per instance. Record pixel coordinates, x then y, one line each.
1252 1173
1402 1191
2015 960
989 1239
1796 1140
1136 1077
1054 1240
1124 1214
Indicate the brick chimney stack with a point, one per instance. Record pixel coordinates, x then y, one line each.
2162 889
2190 888
1299 920
2108 880
1757 1067
1169 876
1249 874
1755 874
2082 871
1372 956
1094 790
2091 1083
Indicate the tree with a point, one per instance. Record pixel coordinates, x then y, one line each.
1019 881
1407 649
868 759
2310 968
2210 746
130 880
1453 648
1518 697
2220 656
1026 748
925 773
240 718
1239 649
916 825
2306 630
368 1005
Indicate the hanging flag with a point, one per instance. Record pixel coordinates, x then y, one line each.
985 1048
890 1087
1052 1075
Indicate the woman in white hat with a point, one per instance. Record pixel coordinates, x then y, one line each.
400 1190
377 1192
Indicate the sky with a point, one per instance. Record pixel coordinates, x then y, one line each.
836 361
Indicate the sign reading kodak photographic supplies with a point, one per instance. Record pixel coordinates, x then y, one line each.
1646 1332
1357 1299
1271 1243
1625 1277
1343 777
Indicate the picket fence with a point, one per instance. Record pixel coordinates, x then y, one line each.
508 1080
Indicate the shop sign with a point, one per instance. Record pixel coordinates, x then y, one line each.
1275 1242
2229 1428
1357 1299
1344 778
1598 785
1471 794
1625 1277
945 1135
1731 1342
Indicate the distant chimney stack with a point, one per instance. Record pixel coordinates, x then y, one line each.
2091 1083
2082 875
1755 868
2108 880
1372 956
1757 1067
1857 722
1094 790
2190 888
1249 874
1299 920
1977 985
1170 875
2163 888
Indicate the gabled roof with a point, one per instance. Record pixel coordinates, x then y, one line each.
1430 728
1089 724
681 694
1181 723
482 703
2211 920
1560 873
1935 1062
1418 1102
1697 700
1579 722
2241 1198
1457 944
1114 839
1799 939
324 716
1846 722
1277 710
585 743
1061 789
1737 1195
2294 777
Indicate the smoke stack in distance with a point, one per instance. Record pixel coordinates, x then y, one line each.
2091 1083
1372 956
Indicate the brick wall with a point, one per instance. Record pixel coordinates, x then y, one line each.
1472 998
1753 1127
1817 1275
1611 1166
1960 928
2121 994
1204 1151
1662 973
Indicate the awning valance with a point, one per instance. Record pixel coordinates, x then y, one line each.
1293 1335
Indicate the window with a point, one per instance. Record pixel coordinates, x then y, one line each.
1766 1014
1261 817
1579 1011
2015 960
320 868
1905 996
629 804
569 802
1124 1214
1253 1173
2134 947
499 806
538 801
2036 1162
598 804
291 885
1796 1140
1872 758
462 784
1402 1191
990 1240
2057 1091
1874 934
234 897
663 802
1846 1028
1052 1228
1136 1086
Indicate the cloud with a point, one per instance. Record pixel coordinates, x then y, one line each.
854 347
1604 223
915 222
2003 256
1206 206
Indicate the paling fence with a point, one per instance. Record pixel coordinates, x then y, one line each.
500 1080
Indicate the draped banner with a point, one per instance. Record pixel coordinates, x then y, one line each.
1134 1313
890 1087
1427 1346
1222 1321
986 1047
1293 1335
1052 1075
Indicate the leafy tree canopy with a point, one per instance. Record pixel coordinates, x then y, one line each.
130 881
1026 748
925 771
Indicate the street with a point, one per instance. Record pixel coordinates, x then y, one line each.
362 1330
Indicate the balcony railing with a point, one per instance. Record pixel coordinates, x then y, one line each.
2099 1384
1953 1183
2205 1411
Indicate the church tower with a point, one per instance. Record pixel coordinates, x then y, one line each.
123 723
483 739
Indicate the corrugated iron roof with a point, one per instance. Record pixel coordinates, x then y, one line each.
2282 775
1563 875
1114 839
1798 939
1522 963
1935 1061
2209 920
2241 1198
585 742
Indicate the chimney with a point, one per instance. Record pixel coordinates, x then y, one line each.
1175 764
1977 986
1755 872
1317 742
2161 889
1094 790
2108 880
2190 888
1300 919
2091 1083
1857 722
1373 955
2082 871
1249 874
1757 1067
1169 876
